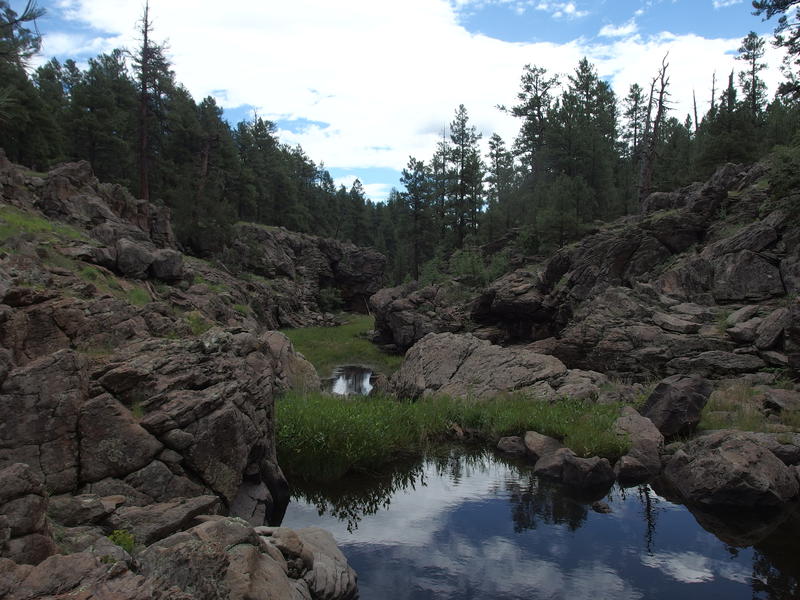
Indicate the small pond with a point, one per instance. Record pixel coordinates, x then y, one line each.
472 525
351 380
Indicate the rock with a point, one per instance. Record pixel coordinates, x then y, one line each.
71 511
157 521
717 362
539 446
45 397
673 323
587 473
133 259
24 531
511 445
331 578
727 469
252 503
771 329
741 315
785 446
167 265
112 443
745 275
462 365
551 466
782 400
643 460
744 332
601 507
675 405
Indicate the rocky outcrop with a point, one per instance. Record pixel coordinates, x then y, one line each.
142 385
218 558
729 469
313 264
647 295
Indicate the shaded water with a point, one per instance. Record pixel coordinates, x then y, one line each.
475 526
351 381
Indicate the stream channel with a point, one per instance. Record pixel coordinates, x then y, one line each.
464 523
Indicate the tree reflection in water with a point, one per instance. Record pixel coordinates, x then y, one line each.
536 503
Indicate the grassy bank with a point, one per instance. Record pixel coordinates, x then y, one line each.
347 344
324 437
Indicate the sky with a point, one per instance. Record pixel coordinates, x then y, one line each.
362 85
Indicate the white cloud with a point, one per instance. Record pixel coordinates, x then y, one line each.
725 3
385 76
623 30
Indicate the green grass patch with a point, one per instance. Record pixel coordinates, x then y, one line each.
138 296
197 323
323 437
242 309
739 406
329 347
14 222
217 288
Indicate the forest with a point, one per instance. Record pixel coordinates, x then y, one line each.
585 153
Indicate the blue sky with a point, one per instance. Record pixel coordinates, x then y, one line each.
363 84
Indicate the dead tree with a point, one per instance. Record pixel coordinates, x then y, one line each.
658 98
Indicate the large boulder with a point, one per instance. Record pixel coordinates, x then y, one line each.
728 469
676 403
643 460
463 365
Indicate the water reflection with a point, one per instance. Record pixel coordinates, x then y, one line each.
475 526
351 381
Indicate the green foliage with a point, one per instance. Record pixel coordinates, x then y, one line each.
785 178
198 324
124 539
138 296
242 309
14 222
329 347
330 299
324 437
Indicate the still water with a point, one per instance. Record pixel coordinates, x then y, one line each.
462 526
351 381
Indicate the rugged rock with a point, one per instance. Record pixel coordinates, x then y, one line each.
24 531
728 469
312 263
643 460
676 404
512 445
157 521
538 445
463 365
406 314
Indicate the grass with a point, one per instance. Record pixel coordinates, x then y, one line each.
242 309
14 222
347 344
738 406
217 288
322 437
124 539
197 323
138 296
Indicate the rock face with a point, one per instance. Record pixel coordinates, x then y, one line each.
24 531
313 264
645 296
676 404
728 469
142 387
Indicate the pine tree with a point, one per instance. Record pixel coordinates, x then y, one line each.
466 195
753 87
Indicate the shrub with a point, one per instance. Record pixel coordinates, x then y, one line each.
197 323
124 539
330 299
